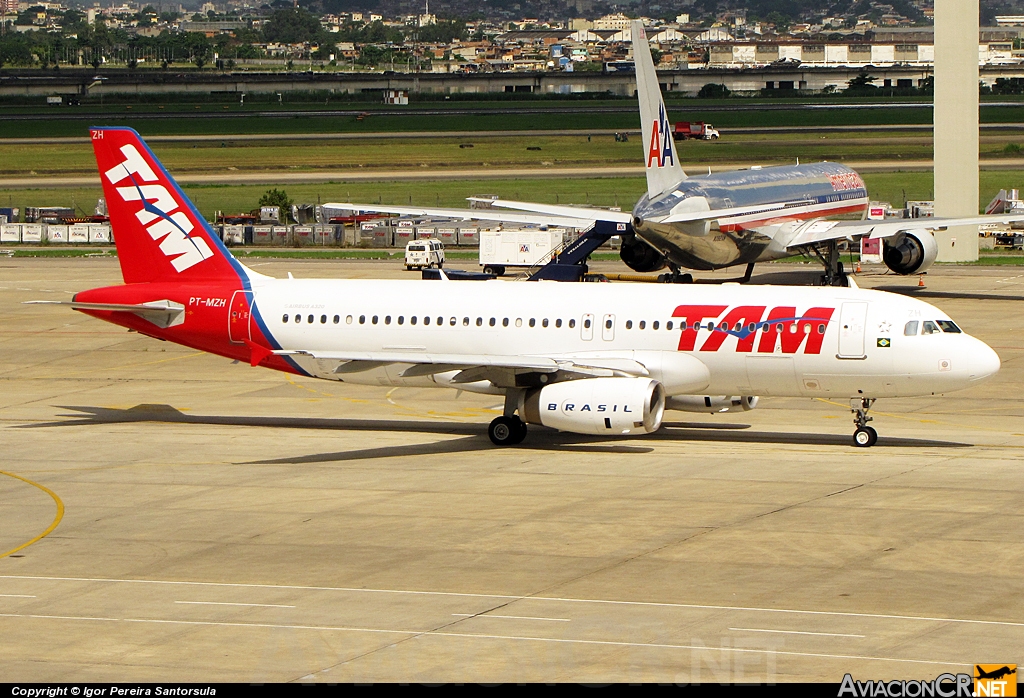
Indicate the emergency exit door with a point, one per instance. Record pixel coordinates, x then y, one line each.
238 317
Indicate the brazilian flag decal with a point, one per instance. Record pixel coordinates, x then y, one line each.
884 342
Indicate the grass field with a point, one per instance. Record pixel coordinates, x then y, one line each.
894 187
212 119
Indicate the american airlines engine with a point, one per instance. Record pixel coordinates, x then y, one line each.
724 219
595 359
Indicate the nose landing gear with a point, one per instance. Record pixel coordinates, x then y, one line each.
864 436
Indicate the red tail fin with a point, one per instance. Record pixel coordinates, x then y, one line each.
159 234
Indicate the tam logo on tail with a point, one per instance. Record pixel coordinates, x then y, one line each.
160 212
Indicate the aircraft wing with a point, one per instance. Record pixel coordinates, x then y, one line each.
584 212
821 230
469 214
471 367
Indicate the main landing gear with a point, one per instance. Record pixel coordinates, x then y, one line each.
834 274
864 436
508 429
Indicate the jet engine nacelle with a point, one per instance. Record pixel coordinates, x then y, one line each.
711 404
597 406
639 256
910 252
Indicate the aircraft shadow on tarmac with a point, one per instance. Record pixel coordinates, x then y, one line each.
475 437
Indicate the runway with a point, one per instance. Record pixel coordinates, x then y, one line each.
227 523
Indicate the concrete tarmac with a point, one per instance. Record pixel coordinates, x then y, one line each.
219 522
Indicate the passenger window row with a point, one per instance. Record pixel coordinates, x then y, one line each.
427 320
778 327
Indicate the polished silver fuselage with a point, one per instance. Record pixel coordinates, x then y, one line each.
807 191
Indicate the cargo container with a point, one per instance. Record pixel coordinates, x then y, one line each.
280 235
262 235
11 214
233 234
403 236
469 237
302 235
380 233
99 234
57 233
32 232
449 236
326 235
78 234
424 232
500 249
10 232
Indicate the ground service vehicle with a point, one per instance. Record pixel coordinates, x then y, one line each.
696 129
427 253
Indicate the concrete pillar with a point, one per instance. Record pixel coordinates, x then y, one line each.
956 125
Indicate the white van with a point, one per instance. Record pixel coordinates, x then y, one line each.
424 253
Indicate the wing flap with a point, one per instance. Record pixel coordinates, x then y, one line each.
582 212
820 230
470 214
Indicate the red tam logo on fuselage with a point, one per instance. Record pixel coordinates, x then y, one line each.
160 212
782 328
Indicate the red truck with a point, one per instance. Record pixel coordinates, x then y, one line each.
696 129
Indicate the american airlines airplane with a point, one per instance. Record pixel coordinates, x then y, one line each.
724 219
602 359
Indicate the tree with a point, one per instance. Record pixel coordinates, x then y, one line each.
277 197
861 84
713 90
292 26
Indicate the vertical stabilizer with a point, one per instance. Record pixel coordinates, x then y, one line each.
160 236
662 162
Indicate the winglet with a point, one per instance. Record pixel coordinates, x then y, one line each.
661 161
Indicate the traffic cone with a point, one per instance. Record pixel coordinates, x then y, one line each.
856 269
920 281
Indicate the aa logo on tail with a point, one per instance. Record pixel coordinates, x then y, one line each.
160 214
659 150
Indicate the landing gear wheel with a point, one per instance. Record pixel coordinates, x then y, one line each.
506 431
520 432
865 437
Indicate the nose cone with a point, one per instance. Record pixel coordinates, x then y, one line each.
984 362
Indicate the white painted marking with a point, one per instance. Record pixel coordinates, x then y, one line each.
225 603
18 596
435 633
792 632
647 604
488 615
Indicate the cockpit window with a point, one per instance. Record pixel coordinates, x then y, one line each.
948 326
910 329
929 327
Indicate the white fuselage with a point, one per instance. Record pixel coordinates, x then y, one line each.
767 340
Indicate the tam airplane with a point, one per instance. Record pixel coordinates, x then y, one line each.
604 359
724 219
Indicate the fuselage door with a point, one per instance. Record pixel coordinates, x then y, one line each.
238 317
587 327
852 319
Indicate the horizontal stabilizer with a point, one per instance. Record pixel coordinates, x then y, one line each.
163 313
